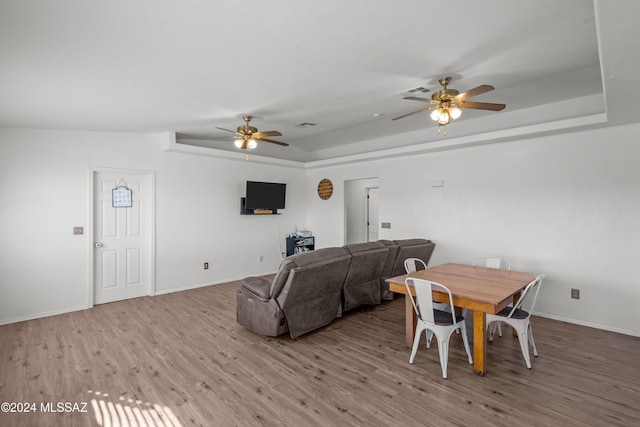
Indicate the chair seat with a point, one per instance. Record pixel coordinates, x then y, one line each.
444 317
518 314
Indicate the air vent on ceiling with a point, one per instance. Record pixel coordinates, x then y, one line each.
415 91
304 125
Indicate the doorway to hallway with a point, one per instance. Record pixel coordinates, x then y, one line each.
361 205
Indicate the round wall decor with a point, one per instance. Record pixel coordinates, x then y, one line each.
325 189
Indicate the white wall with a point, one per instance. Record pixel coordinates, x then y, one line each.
44 193
567 206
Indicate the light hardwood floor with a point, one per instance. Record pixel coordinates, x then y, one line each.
181 359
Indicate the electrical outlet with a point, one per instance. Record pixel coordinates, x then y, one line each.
261 258
206 265
575 293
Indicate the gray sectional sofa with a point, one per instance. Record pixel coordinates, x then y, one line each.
311 289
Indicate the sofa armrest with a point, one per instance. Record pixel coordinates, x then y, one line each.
258 286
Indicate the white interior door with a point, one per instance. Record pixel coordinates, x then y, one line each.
372 215
122 238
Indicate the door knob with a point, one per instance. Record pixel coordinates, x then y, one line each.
98 245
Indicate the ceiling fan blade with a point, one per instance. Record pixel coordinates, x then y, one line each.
266 133
473 92
410 114
482 106
416 98
284 144
232 131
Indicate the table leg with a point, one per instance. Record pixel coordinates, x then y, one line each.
410 321
479 349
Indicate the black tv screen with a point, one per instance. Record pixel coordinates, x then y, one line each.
265 195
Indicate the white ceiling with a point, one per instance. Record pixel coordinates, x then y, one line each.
191 65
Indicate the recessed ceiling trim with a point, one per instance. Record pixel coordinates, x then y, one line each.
170 144
528 131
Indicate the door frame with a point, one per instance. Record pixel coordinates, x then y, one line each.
151 176
367 216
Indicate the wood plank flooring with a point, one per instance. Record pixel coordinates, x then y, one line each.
181 360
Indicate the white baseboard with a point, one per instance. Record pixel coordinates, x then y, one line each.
202 285
589 324
84 307
42 314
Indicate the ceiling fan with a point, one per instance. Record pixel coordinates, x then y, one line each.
247 136
446 103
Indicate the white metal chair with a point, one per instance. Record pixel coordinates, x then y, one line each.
411 265
499 264
441 323
519 318
491 262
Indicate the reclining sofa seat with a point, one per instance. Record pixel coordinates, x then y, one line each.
362 286
399 250
411 248
305 294
387 269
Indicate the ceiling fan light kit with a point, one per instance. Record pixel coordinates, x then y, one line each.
245 143
247 137
447 104
444 115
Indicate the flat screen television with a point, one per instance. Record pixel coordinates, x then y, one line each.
265 195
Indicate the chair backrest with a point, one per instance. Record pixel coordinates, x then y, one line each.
492 262
424 296
529 296
411 265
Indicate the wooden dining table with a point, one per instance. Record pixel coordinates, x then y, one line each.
479 289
